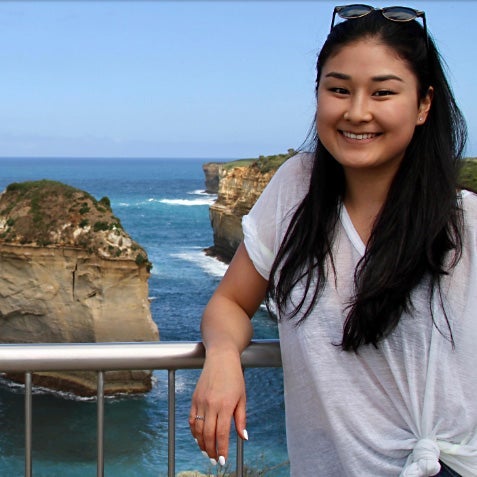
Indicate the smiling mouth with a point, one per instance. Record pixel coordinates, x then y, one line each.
359 137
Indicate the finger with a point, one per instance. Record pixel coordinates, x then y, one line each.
194 416
196 423
222 435
240 417
209 436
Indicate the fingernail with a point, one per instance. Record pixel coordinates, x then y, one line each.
213 461
222 460
205 454
196 441
245 434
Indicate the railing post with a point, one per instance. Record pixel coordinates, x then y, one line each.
100 424
239 467
171 433
239 457
28 424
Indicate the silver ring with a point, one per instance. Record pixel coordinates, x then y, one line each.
199 418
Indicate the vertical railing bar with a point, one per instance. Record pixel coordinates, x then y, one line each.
239 467
171 434
100 423
239 457
28 424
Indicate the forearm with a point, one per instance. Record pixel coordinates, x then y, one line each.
226 328
226 323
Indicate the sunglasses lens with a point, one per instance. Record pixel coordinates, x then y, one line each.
399 14
349 12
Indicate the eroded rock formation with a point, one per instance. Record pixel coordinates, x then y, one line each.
70 273
212 172
238 189
239 185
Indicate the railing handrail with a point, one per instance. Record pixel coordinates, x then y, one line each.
124 356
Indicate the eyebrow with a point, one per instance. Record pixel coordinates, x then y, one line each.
378 79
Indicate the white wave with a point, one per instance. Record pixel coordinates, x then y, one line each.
188 202
40 390
202 193
210 265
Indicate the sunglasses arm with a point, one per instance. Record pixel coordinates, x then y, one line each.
333 19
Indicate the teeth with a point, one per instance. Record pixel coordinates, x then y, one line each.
358 136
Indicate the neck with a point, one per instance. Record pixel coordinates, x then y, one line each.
364 198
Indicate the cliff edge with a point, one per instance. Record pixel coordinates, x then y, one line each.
71 273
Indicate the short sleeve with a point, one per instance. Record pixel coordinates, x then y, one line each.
267 222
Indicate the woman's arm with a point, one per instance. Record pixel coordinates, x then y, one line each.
226 331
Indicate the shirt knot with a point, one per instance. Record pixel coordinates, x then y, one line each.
424 460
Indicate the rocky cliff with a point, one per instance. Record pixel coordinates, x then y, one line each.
212 173
70 273
240 184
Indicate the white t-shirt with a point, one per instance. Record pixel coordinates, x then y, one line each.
391 411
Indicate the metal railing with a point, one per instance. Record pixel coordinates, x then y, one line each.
101 357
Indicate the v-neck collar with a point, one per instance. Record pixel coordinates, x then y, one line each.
351 231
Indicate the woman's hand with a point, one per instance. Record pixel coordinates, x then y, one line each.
226 331
219 396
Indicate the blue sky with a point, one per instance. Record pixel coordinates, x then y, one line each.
215 79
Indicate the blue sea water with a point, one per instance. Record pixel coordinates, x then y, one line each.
161 203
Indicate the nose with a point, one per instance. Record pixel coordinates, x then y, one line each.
358 110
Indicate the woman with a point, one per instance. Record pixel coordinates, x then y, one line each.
368 249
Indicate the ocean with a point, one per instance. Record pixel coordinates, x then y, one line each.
162 204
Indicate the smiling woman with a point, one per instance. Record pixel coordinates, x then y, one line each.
367 248
366 115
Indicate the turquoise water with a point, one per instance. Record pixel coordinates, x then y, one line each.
162 205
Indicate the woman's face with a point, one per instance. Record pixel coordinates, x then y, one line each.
368 107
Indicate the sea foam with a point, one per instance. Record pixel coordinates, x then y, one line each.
188 202
197 256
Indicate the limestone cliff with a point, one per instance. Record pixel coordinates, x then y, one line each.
212 173
240 184
70 273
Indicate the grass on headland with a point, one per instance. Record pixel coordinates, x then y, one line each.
264 163
468 173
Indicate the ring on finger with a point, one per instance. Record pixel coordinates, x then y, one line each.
199 418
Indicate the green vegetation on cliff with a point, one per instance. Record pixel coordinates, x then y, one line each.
43 213
468 173
263 163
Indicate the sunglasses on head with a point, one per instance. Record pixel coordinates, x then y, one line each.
395 14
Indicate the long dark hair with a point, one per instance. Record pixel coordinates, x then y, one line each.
420 221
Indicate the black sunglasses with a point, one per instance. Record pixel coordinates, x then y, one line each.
395 14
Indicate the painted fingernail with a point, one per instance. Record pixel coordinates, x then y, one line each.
196 441
222 460
245 434
213 461
205 454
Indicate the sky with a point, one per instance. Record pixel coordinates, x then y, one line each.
207 79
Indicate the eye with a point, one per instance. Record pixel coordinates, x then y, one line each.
384 92
339 90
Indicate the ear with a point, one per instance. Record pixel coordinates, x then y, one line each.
424 106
